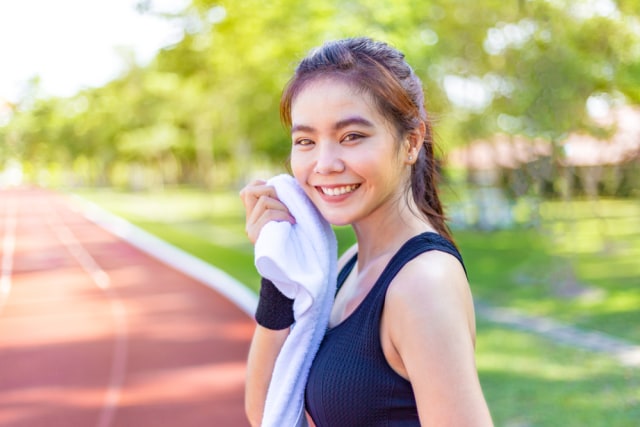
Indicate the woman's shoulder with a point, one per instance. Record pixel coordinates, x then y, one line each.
432 291
428 279
433 265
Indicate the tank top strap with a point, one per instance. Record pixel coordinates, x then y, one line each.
417 245
345 270
413 247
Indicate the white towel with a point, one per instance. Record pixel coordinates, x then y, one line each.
300 260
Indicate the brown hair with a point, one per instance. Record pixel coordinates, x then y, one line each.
382 72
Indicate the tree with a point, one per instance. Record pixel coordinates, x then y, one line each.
518 67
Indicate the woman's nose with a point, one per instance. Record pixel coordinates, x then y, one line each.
328 159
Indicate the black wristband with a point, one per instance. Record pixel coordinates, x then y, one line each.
275 310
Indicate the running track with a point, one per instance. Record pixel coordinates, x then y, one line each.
94 332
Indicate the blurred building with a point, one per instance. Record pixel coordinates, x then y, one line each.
502 169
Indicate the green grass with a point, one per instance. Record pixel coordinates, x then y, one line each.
580 267
529 381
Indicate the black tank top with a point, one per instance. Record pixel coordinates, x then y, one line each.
350 382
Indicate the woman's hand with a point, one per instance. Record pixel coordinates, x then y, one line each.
262 206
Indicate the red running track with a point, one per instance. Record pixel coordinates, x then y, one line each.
94 332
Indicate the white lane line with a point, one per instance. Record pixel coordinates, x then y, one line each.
102 281
174 257
8 247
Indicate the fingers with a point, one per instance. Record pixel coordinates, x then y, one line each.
268 207
262 215
262 206
252 192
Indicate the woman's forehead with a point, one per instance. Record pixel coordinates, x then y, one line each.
324 98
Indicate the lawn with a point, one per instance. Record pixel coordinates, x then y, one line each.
529 381
580 266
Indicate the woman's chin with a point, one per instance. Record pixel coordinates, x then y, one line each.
336 219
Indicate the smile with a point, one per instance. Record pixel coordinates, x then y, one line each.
339 191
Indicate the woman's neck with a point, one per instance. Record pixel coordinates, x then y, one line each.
384 231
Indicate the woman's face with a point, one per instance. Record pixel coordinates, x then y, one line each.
345 154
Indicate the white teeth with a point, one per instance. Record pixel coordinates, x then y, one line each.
338 191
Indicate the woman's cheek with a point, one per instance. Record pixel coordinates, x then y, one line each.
299 168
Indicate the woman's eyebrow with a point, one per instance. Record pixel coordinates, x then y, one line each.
355 120
302 128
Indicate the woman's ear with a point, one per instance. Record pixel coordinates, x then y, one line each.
413 143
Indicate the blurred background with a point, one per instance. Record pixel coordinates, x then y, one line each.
160 111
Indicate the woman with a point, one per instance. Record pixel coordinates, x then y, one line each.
400 345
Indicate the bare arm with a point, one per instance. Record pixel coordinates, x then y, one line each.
265 346
429 320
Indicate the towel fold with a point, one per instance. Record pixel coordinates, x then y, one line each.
300 259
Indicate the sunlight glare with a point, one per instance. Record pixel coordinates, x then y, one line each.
73 44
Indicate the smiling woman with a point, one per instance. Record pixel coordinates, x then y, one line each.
399 348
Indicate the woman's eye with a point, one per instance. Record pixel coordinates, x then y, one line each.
303 142
351 137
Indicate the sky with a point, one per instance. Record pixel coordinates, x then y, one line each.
74 44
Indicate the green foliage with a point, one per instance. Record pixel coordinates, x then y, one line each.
207 107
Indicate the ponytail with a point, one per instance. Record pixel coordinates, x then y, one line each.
424 186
